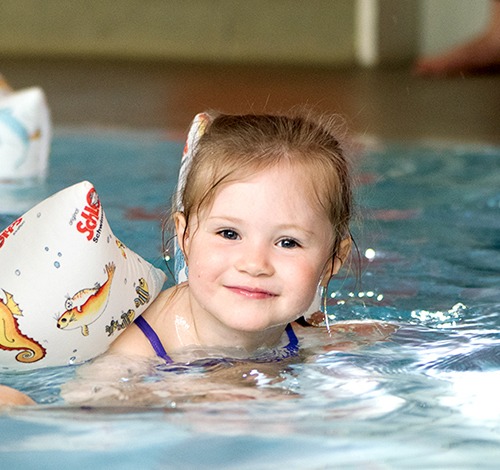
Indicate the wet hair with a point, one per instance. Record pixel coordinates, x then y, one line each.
236 147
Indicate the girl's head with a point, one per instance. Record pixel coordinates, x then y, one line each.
236 147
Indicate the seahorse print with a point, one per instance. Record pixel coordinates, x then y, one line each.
11 337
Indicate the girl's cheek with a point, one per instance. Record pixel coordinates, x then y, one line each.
215 255
209 260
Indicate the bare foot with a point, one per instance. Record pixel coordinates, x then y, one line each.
479 55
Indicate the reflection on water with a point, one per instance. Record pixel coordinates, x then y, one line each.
425 398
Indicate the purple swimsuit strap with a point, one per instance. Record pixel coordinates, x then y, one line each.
291 348
151 335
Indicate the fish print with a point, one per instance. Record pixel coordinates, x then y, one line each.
81 315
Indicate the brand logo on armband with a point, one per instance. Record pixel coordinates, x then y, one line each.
10 230
91 217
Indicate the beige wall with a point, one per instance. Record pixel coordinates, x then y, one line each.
308 31
298 31
445 23
386 31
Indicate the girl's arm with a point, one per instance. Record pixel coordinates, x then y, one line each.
10 396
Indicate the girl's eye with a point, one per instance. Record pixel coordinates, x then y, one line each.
288 243
228 234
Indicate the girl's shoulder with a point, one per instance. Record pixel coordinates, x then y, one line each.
133 341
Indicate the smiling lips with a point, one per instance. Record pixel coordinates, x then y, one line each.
251 292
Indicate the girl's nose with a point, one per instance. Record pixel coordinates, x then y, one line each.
254 260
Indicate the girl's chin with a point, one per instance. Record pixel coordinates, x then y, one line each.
252 329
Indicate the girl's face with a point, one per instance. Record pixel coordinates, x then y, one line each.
256 257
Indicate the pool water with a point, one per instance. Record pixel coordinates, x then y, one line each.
429 240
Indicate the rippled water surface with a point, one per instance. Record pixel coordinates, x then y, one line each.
429 239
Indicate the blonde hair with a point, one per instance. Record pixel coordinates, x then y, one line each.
235 147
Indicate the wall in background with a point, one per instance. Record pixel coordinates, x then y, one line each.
386 31
445 23
327 32
317 31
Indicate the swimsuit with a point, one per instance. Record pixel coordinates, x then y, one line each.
153 339
289 350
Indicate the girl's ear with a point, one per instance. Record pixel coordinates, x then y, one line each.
181 231
343 253
338 261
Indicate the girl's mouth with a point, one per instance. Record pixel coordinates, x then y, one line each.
251 292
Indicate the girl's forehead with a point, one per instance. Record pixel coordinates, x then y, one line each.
270 176
283 188
279 179
297 182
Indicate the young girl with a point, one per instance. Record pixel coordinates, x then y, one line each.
263 223
264 226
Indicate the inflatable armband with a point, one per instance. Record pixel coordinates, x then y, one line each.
25 132
68 286
197 129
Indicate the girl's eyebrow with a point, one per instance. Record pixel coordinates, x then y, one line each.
223 218
280 228
305 231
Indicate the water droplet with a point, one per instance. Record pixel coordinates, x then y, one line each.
57 264
46 248
72 360
59 254
39 214
17 272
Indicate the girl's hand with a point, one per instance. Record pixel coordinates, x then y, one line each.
12 397
352 335
345 335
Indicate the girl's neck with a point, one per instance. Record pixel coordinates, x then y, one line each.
188 328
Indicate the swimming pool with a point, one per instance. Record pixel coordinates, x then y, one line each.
430 242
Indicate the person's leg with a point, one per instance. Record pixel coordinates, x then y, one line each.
482 53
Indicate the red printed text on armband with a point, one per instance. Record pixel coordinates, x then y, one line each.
11 229
89 216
